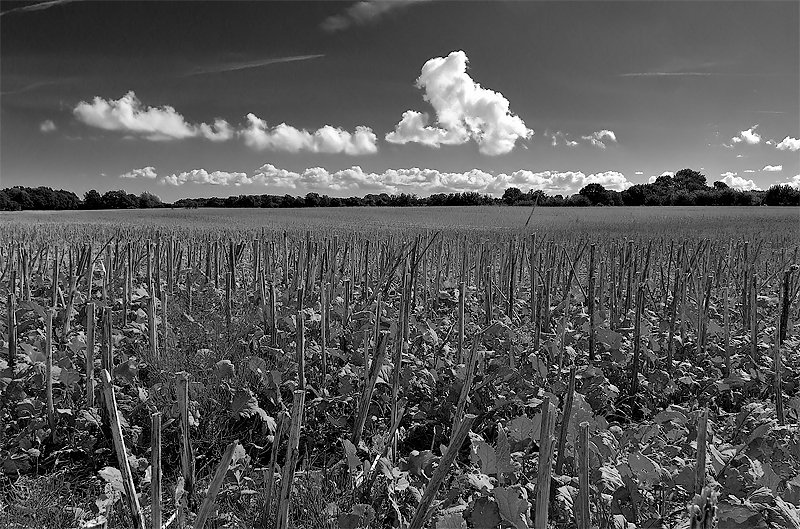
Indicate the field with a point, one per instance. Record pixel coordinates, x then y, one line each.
416 367
631 221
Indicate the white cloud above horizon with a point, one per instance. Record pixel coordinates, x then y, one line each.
794 182
259 136
652 179
355 180
749 136
789 144
738 182
601 138
464 111
559 138
127 114
201 176
47 126
148 172
772 168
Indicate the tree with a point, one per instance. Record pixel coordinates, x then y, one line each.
6 204
635 195
20 196
720 185
665 182
149 200
119 200
511 195
188 203
689 180
312 200
782 195
596 194
578 200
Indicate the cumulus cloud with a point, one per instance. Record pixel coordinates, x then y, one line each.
789 144
652 179
749 136
559 138
772 168
127 114
362 13
560 182
201 176
47 126
600 138
749 171
258 135
464 111
145 172
639 172
794 182
737 182
220 131
355 180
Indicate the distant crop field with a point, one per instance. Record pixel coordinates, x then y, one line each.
620 221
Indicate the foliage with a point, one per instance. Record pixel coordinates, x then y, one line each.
686 188
643 443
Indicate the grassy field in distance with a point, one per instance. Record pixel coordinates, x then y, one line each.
679 221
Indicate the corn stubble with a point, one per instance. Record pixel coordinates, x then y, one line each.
412 378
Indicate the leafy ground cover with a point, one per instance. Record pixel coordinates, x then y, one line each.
676 328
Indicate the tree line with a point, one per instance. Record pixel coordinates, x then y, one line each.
686 188
19 198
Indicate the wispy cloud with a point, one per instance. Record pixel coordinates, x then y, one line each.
600 138
559 138
27 88
668 74
700 74
363 12
772 168
235 66
37 7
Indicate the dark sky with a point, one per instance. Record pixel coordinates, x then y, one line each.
155 96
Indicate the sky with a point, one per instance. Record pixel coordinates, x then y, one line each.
198 99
